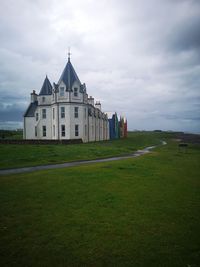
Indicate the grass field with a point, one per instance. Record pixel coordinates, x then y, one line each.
136 212
31 155
9 134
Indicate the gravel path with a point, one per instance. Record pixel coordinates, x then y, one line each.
77 163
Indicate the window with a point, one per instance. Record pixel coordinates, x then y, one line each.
44 114
85 130
44 130
63 130
43 99
76 130
35 130
89 112
75 91
62 91
76 112
53 113
62 112
36 116
54 130
85 113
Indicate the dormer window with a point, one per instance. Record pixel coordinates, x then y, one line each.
62 91
75 91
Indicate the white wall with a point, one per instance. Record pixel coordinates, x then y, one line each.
29 132
43 122
47 99
81 121
91 128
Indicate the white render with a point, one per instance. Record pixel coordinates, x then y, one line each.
92 123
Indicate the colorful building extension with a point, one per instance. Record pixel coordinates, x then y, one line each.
125 128
117 126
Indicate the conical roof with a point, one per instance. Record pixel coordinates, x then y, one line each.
69 76
46 87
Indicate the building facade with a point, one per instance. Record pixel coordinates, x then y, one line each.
117 126
64 111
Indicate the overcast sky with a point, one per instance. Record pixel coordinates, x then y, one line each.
140 58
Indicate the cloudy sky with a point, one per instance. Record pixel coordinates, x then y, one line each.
140 58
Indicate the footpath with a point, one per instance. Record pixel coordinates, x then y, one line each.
77 163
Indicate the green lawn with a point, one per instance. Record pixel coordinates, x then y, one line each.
137 212
31 155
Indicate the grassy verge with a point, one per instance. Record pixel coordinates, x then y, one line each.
31 155
137 212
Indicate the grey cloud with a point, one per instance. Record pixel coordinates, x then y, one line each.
186 36
140 58
11 112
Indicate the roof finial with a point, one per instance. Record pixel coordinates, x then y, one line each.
69 53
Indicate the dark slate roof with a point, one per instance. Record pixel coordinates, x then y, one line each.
30 112
46 87
69 76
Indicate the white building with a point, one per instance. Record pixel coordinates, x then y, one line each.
64 111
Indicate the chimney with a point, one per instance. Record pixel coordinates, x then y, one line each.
98 105
33 97
91 100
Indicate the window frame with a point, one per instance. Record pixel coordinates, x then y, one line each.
36 116
53 113
76 128
44 113
62 112
62 91
63 132
44 130
76 112
75 91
